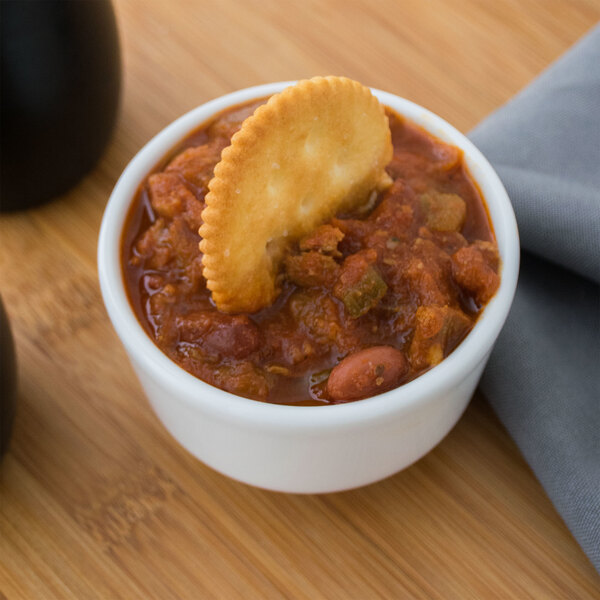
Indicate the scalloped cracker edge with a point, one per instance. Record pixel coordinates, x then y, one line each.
315 149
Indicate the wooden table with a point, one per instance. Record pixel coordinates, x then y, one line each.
98 501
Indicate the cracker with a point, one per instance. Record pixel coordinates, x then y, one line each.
318 148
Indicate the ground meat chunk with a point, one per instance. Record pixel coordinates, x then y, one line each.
311 269
472 270
379 241
324 239
354 231
438 330
234 336
426 275
287 349
394 217
407 166
153 247
170 197
172 247
317 315
445 157
196 164
395 211
490 253
448 241
172 244
183 243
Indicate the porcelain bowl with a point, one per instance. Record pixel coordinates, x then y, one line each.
306 449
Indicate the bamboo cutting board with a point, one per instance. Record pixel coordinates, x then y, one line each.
96 499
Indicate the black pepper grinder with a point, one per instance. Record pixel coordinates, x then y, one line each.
61 79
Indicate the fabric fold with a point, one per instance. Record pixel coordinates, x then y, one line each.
543 376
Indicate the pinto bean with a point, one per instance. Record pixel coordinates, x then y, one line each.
367 373
472 271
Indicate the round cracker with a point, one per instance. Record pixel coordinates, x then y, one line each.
315 149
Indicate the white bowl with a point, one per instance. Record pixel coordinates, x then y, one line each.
301 448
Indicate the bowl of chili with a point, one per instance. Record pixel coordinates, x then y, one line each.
305 416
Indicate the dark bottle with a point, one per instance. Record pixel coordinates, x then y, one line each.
8 381
61 77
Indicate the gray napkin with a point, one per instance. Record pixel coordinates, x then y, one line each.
543 376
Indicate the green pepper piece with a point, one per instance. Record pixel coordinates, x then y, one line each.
365 294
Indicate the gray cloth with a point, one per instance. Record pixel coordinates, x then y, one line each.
543 376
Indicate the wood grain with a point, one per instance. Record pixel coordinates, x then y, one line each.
97 501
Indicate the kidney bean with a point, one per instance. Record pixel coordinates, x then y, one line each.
232 336
367 373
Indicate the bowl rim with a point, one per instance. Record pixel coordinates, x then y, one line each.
227 406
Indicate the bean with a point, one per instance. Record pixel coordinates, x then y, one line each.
229 335
367 373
